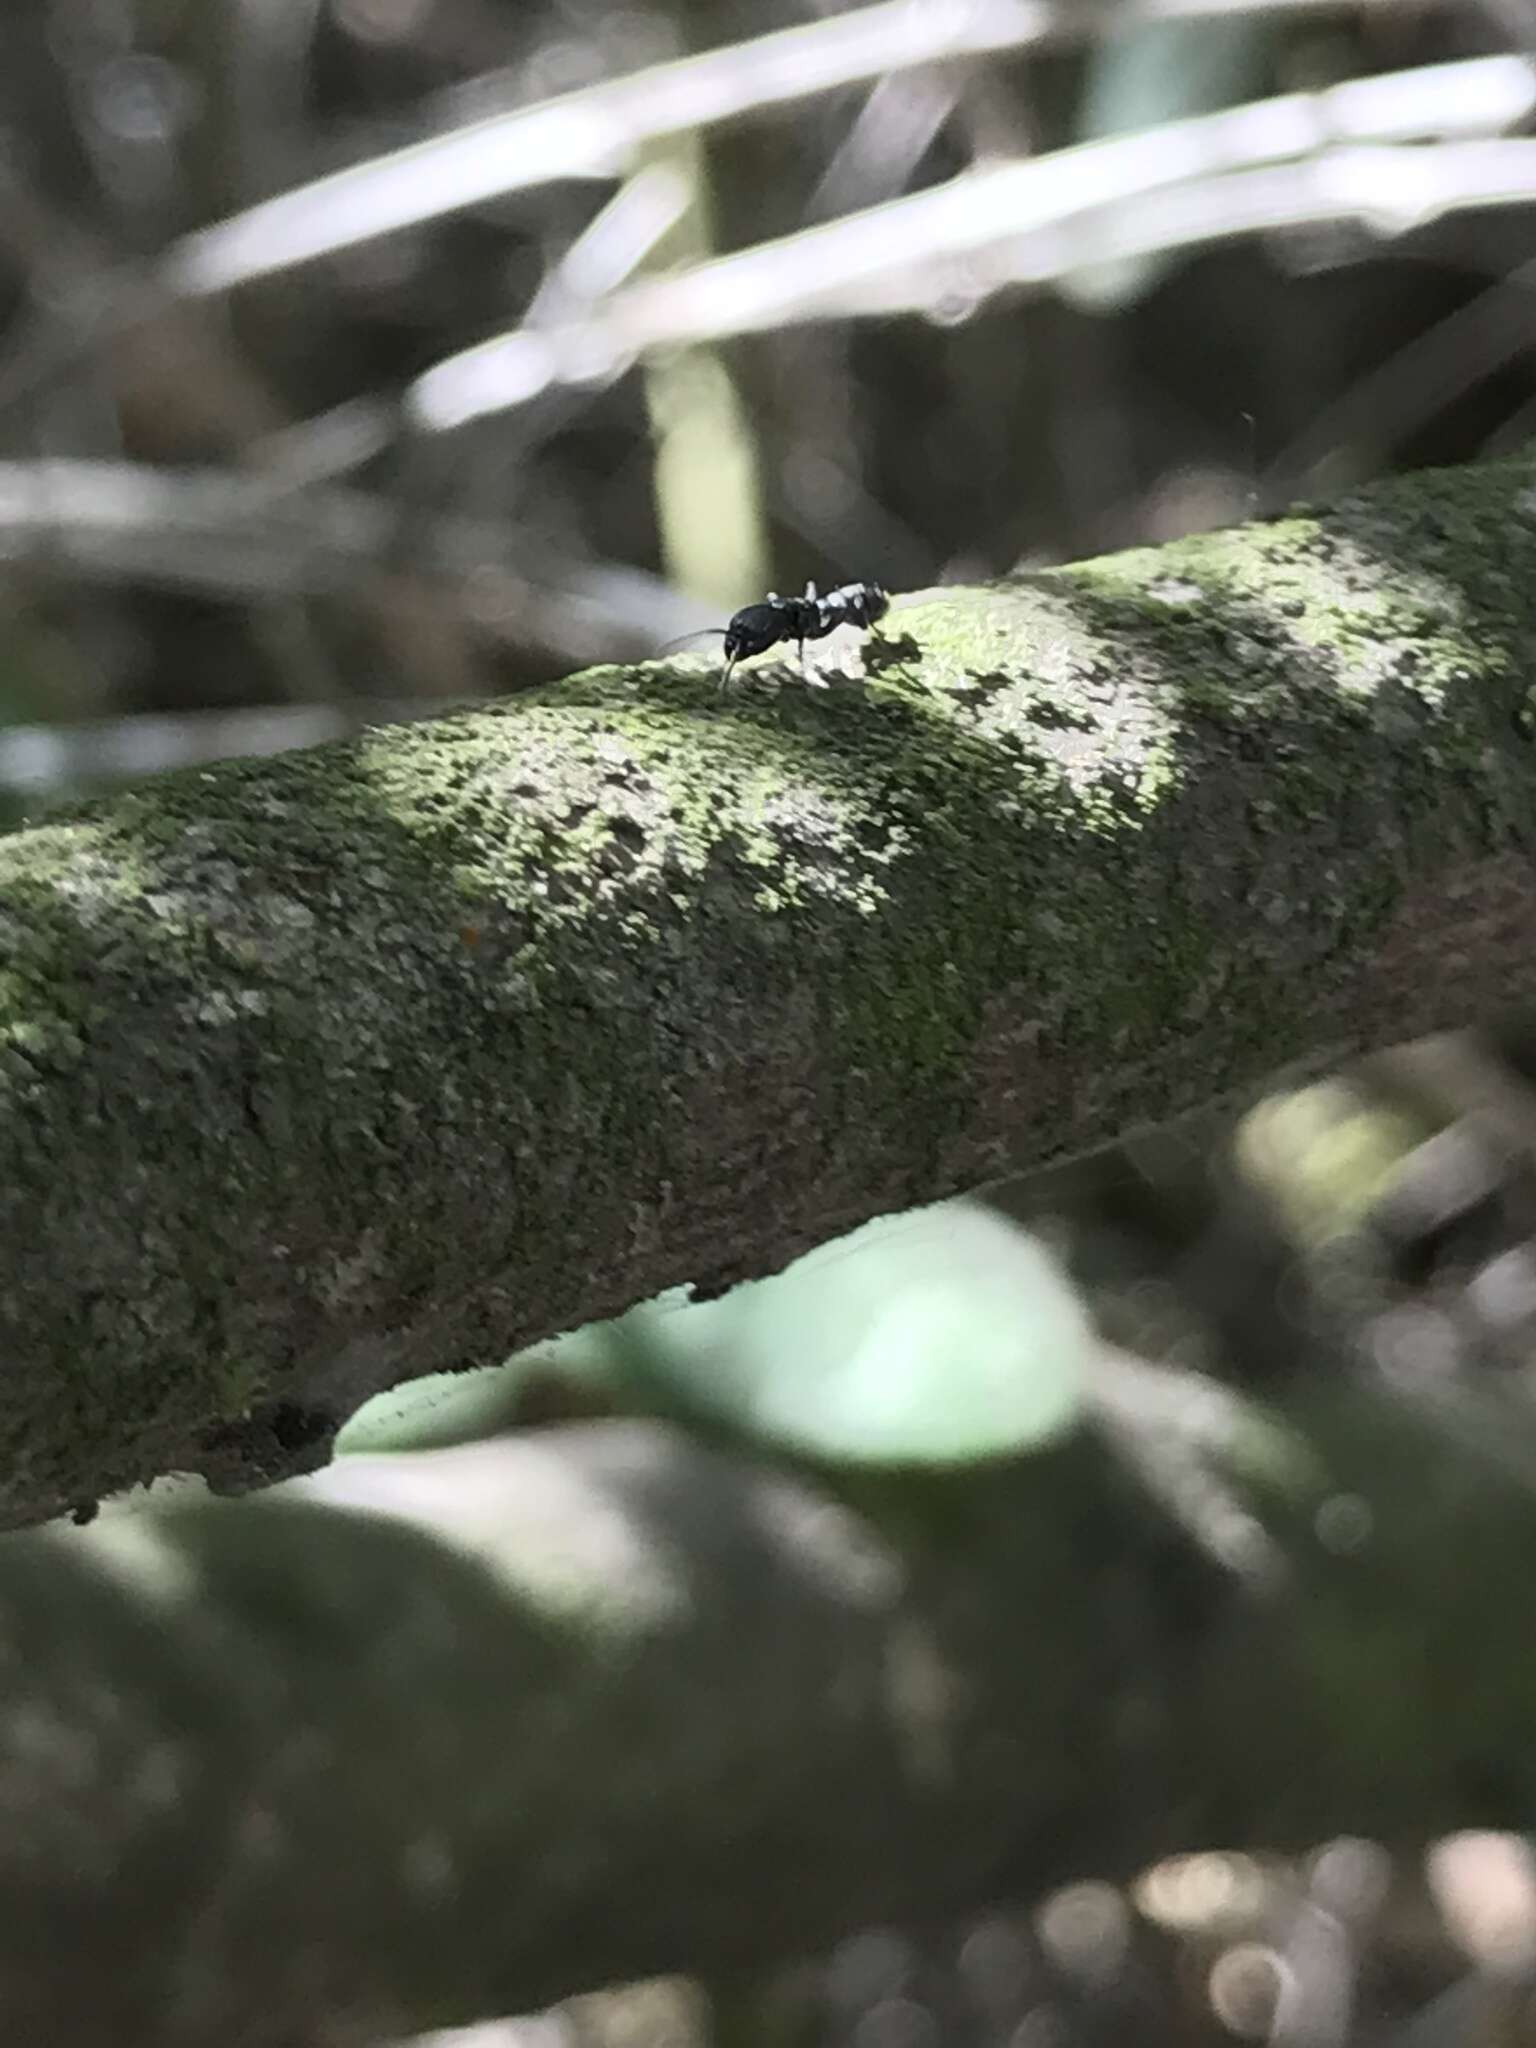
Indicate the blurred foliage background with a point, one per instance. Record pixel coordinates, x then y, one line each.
358 356
767 310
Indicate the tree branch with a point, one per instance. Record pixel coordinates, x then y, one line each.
324 1071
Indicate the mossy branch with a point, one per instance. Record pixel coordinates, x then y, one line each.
321 1072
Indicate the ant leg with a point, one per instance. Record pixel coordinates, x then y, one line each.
812 680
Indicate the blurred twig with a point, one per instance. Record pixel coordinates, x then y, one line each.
230 535
1377 413
706 477
38 758
595 131
1352 152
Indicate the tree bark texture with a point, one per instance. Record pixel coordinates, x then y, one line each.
320 1072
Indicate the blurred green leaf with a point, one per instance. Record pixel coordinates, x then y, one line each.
463 1407
937 1338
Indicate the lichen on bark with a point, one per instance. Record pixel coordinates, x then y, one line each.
394 1055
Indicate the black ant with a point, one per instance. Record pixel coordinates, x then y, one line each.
757 627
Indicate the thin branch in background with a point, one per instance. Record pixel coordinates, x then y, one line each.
1378 412
39 759
576 324
333 444
1176 1430
829 505
1386 192
1511 433
706 478
595 132
615 244
231 536
202 532
185 379
894 130
1035 221
645 209
620 238
1170 71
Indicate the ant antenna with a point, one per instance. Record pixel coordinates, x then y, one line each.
698 633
